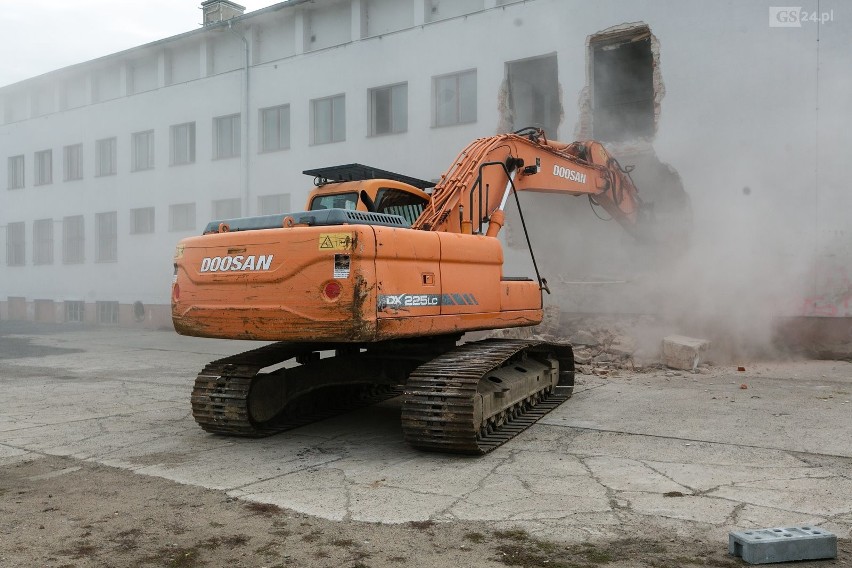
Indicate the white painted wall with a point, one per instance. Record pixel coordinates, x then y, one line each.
384 16
184 62
275 39
441 9
328 24
143 74
76 92
740 110
107 83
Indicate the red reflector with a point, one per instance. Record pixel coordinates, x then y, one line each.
331 290
176 291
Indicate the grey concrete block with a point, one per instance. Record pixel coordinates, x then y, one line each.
682 352
766 546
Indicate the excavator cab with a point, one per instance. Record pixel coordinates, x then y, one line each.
363 188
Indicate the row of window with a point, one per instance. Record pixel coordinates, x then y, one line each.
73 239
182 151
454 98
142 221
74 310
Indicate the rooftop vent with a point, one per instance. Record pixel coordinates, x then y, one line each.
216 11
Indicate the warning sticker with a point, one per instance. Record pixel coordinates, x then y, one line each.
335 241
341 266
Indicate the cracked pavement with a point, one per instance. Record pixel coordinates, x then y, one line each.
685 454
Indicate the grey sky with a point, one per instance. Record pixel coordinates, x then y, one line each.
42 35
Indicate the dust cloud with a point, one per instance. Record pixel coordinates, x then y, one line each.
730 257
725 275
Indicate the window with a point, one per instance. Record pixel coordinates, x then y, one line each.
43 241
182 217
106 226
43 167
398 202
273 204
533 97
107 312
15 244
16 172
226 137
141 220
454 98
105 157
328 120
335 201
182 147
142 146
73 162
72 239
226 208
74 311
389 109
275 128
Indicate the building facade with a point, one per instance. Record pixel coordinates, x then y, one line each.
108 163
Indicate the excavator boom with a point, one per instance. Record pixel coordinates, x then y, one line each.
479 181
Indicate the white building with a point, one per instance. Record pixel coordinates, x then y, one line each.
108 163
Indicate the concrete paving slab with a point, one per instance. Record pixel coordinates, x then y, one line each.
695 508
544 464
319 491
705 477
769 414
379 504
11 454
519 505
629 475
600 464
809 496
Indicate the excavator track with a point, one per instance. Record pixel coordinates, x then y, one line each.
439 410
232 397
222 396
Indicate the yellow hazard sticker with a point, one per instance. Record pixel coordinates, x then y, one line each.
178 252
335 241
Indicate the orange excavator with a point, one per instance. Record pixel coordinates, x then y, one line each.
370 289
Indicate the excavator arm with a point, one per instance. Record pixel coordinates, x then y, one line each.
474 191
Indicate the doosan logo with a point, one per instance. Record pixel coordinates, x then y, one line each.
569 174
236 263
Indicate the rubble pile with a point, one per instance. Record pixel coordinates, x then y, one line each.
603 345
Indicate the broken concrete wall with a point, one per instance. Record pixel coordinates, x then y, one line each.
622 32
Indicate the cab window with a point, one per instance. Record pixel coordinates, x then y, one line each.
335 201
397 202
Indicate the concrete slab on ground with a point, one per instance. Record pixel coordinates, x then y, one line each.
695 454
